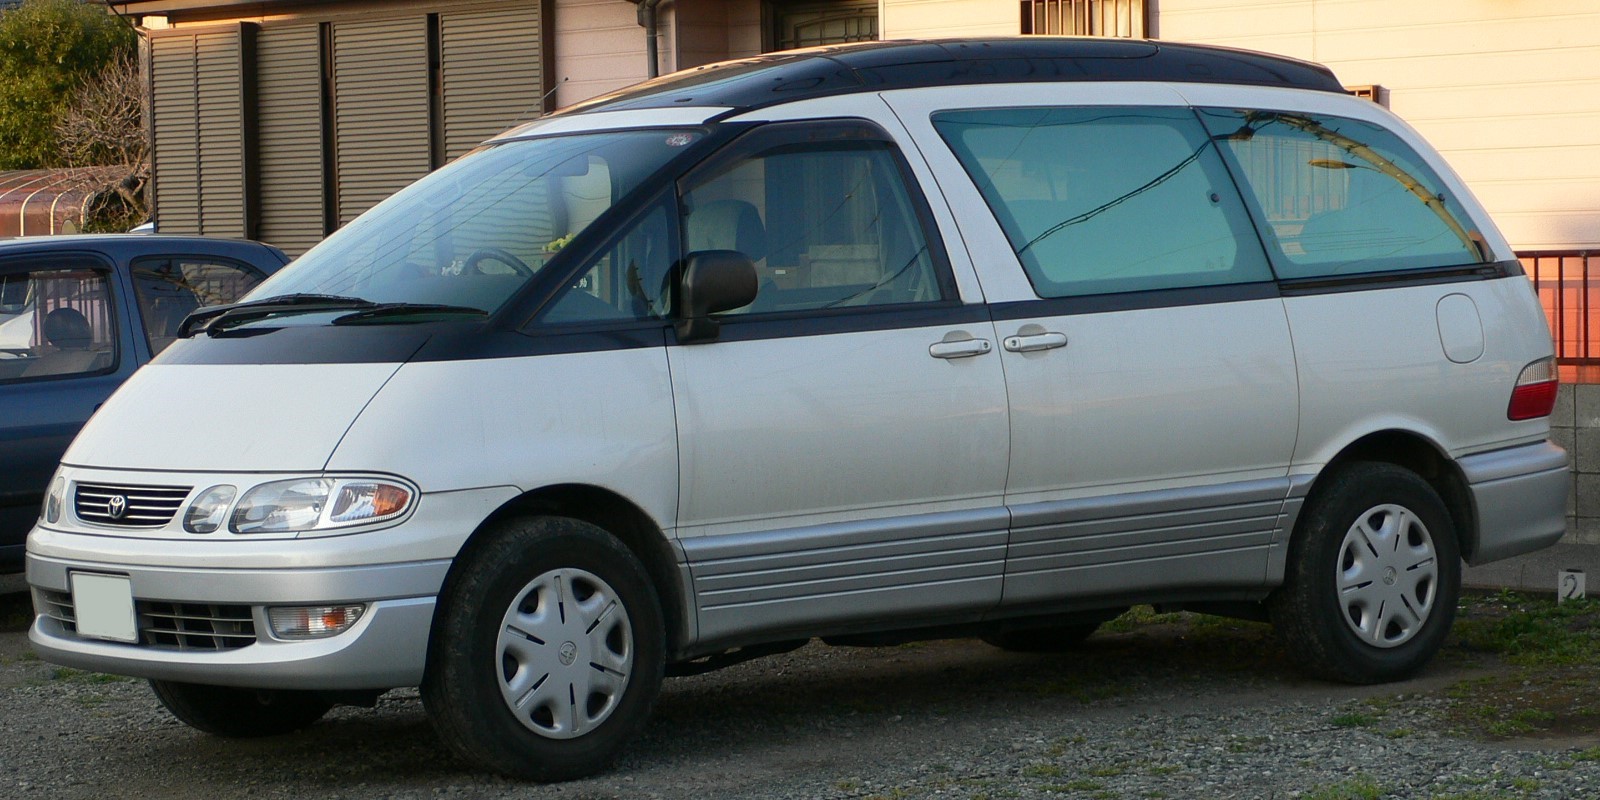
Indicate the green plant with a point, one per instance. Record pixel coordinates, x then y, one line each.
49 48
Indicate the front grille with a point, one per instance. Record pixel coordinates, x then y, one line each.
173 626
196 626
128 506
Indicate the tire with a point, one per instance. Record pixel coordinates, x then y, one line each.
240 713
547 650
1373 577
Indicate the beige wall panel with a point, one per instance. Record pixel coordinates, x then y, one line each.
380 109
1276 27
599 48
1550 230
289 126
744 29
912 19
699 33
491 64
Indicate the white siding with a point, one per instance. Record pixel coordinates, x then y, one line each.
599 48
1509 92
918 19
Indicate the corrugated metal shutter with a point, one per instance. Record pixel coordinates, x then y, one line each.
289 125
492 78
380 73
197 111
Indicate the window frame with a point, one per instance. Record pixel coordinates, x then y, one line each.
76 260
142 330
774 135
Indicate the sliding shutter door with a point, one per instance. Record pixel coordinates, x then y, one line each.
491 61
289 119
198 115
380 74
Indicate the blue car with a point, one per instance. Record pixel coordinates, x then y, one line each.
78 314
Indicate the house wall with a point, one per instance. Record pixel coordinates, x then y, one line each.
922 19
599 47
1508 91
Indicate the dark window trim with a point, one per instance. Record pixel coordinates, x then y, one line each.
96 262
1366 281
1135 301
859 319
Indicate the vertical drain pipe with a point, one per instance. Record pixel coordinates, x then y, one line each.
647 18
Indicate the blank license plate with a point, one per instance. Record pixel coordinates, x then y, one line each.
103 605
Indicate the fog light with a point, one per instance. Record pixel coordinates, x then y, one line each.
313 622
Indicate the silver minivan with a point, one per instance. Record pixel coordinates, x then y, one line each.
869 343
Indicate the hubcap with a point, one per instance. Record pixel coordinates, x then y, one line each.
565 652
1388 576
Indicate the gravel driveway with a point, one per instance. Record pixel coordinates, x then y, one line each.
1187 708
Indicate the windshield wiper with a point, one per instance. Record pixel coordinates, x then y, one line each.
212 318
383 310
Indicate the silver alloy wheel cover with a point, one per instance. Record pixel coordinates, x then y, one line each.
564 653
1388 575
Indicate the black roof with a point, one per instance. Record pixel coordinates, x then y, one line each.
879 66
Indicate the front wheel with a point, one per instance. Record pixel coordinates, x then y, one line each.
240 713
1373 577
548 650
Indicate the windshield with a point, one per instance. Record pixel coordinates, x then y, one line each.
474 232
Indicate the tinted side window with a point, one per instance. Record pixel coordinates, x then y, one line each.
1100 200
1341 196
56 323
169 288
828 225
628 280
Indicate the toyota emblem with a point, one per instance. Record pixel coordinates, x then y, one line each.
117 506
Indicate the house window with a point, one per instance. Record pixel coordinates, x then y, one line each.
814 24
1122 18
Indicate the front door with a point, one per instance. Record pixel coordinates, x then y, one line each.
843 442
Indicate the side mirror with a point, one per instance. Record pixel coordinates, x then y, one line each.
713 281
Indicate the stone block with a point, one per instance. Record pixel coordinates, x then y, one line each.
1582 530
1588 492
1586 404
1565 413
1567 438
1588 456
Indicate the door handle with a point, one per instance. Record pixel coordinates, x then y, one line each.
1029 342
960 348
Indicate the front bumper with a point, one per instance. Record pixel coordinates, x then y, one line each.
1520 496
228 582
386 648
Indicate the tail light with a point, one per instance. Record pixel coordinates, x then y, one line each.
1535 392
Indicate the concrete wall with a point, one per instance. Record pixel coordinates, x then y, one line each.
1575 425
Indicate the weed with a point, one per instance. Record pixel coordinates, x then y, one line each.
1360 787
1355 720
1043 771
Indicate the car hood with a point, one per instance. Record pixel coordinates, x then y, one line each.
228 417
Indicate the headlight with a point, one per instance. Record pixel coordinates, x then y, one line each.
53 500
206 513
282 506
305 504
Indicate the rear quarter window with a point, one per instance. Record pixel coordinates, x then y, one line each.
1339 196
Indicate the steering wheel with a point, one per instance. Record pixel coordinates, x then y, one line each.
499 254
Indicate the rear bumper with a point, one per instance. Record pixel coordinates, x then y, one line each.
1520 496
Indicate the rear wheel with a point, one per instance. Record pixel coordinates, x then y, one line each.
240 713
548 651
1373 578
